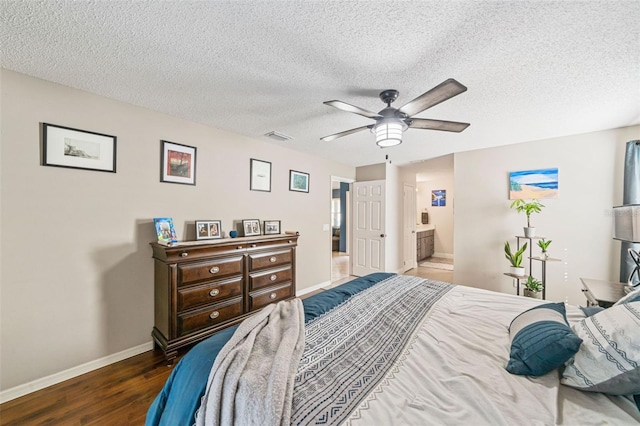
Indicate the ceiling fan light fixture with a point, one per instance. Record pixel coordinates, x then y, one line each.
389 133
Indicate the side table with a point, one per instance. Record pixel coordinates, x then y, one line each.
602 292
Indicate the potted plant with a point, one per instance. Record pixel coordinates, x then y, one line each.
532 287
544 244
515 258
528 208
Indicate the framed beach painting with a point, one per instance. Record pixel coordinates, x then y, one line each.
539 183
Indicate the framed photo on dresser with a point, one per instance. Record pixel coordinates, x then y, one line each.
251 227
271 227
208 229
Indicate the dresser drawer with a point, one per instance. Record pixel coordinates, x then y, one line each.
267 278
269 260
208 316
211 292
199 271
263 298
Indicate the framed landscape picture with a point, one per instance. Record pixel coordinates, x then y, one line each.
271 227
439 198
178 163
208 229
539 183
251 227
78 149
298 181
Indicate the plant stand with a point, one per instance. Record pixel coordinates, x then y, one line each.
542 260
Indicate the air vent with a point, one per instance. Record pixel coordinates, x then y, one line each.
278 136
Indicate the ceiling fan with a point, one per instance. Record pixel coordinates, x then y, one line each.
391 122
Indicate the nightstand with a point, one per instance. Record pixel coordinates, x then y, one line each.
602 292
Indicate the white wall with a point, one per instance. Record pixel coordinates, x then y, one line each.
76 271
579 221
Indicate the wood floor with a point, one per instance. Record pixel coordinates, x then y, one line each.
121 393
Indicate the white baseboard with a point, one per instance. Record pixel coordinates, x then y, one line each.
303 291
21 390
443 255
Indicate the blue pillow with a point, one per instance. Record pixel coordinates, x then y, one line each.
541 340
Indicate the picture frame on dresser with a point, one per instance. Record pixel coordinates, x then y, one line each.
208 229
271 227
251 227
165 229
78 149
178 163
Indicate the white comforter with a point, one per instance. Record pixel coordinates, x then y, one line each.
453 373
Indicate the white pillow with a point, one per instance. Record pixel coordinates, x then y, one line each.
633 296
608 360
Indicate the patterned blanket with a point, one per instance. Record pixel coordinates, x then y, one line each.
349 350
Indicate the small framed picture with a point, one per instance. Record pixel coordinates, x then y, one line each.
251 227
208 229
298 181
260 175
78 149
178 163
271 227
165 230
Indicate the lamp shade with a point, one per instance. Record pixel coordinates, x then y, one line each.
389 133
626 223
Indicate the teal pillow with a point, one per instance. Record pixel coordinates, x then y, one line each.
541 340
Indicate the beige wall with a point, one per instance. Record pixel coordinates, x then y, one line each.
76 269
590 168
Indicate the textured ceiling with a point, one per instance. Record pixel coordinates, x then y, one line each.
534 69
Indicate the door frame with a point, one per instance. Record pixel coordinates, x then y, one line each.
348 219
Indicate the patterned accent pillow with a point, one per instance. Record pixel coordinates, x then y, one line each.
609 359
633 296
541 340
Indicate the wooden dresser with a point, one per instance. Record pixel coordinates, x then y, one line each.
203 287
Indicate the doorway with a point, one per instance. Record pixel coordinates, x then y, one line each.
340 229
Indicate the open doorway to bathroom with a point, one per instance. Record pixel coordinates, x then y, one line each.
340 229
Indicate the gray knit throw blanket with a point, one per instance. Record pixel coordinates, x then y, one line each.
251 381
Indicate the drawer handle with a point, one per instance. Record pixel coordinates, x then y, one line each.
214 292
214 269
272 259
272 296
254 245
290 241
239 248
214 315
184 254
273 277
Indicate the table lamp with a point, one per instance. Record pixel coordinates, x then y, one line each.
626 227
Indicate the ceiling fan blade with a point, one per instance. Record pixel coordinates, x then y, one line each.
345 133
447 126
445 90
352 108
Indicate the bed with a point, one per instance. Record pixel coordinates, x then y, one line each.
390 349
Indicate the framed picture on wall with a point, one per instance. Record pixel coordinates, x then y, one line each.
208 229
251 227
298 181
178 163
271 227
439 198
260 175
78 149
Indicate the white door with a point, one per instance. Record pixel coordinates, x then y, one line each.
368 227
409 228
